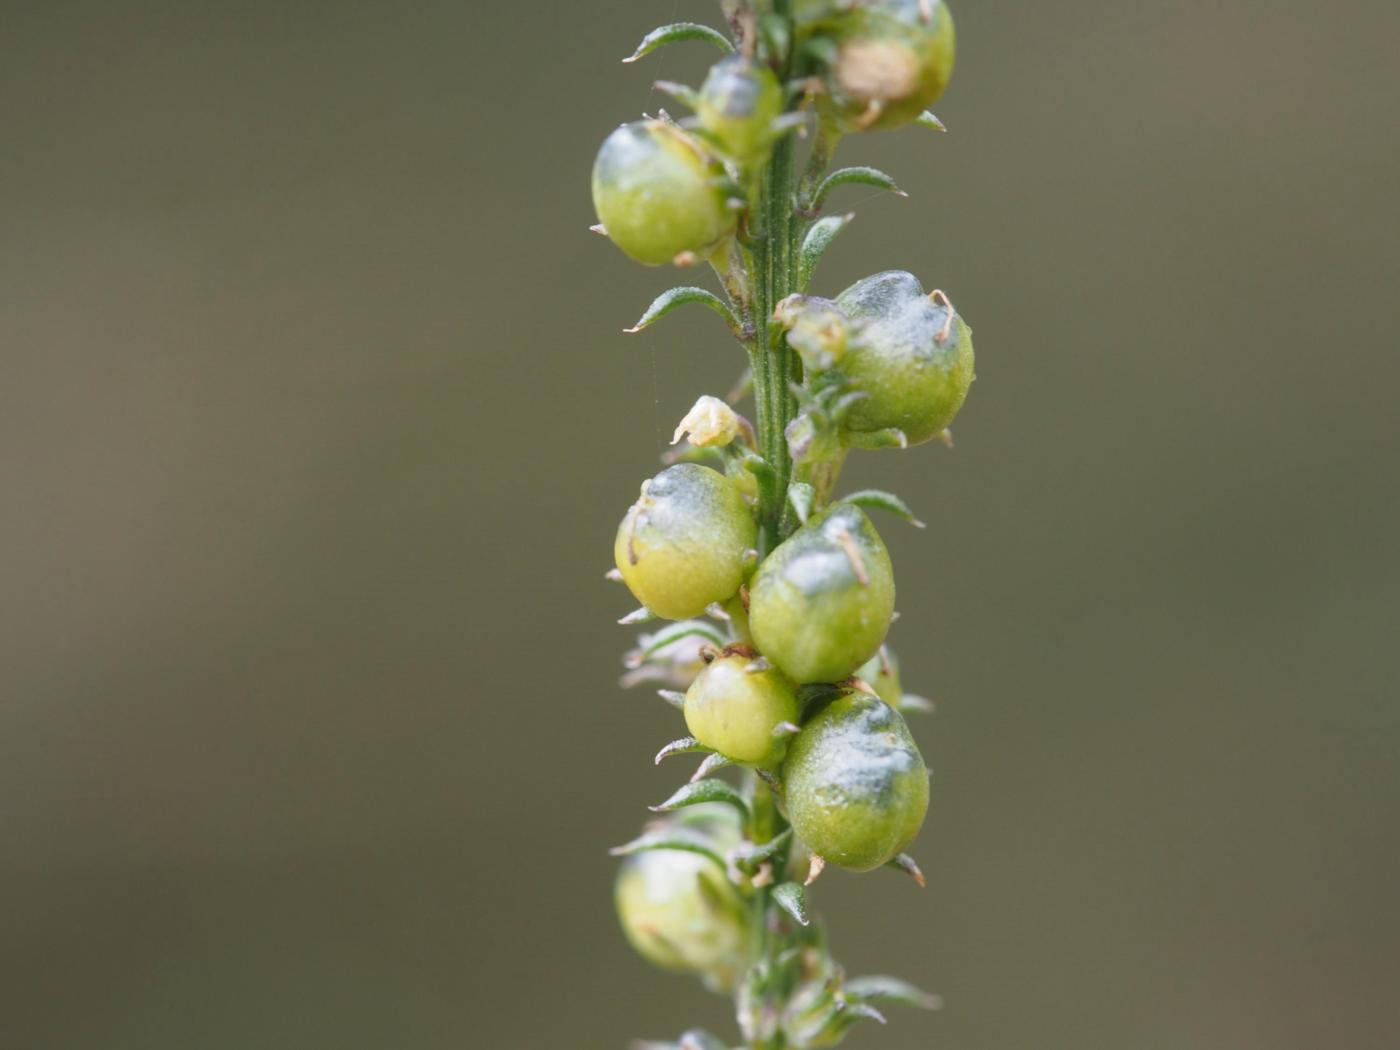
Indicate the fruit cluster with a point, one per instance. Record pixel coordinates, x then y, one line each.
780 593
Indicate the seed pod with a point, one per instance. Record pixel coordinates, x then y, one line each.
821 603
657 193
893 59
680 911
737 711
911 355
855 785
739 102
681 546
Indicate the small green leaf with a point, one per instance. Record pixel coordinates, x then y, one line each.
909 704
792 898
891 989
664 303
863 1011
675 699
892 437
682 93
712 762
684 629
702 791
884 501
686 745
928 120
748 856
855 177
673 839
642 615
815 244
801 496
676 32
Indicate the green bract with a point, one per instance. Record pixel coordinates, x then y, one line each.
657 194
680 911
893 59
739 102
855 784
735 710
821 603
681 546
910 354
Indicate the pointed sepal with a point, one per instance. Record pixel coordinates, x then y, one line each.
891 990
701 792
891 437
815 244
675 838
909 866
792 898
677 32
882 500
686 745
861 176
670 300
801 496
926 119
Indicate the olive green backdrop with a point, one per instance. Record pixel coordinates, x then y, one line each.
316 417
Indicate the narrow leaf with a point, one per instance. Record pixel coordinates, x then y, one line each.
801 496
641 615
864 1011
675 699
891 989
884 501
676 32
686 745
673 839
909 704
892 437
684 629
664 303
703 791
712 762
815 244
928 120
792 898
855 177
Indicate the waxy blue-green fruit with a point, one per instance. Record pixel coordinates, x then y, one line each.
893 59
680 911
682 545
657 194
854 783
735 710
821 603
738 103
910 354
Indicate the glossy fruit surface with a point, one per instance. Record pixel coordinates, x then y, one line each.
735 710
894 59
738 103
855 785
681 912
657 194
821 603
681 546
909 353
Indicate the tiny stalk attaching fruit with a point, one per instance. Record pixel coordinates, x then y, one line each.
779 592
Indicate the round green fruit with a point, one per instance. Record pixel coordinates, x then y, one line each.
893 59
855 785
680 911
736 711
657 193
911 354
821 603
739 102
682 545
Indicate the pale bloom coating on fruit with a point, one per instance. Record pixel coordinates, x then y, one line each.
855 785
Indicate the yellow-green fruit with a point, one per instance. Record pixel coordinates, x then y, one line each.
911 355
821 603
681 912
681 546
735 710
738 103
894 59
657 194
854 783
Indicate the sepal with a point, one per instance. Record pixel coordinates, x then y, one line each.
700 792
815 244
860 176
676 32
792 898
884 501
667 301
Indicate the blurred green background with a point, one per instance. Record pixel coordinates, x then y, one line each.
317 419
